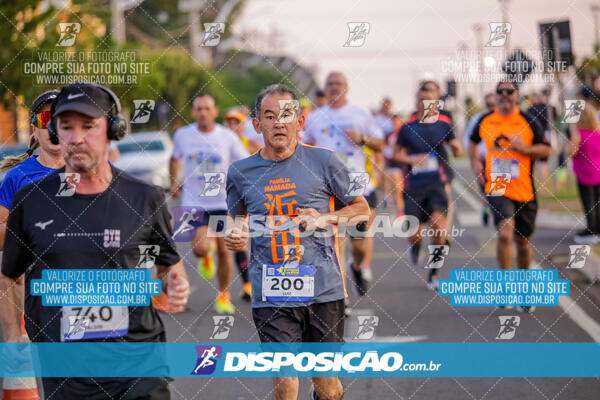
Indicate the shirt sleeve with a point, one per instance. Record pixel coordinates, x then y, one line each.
238 151
251 133
338 179
401 140
469 130
475 136
235 201
7 190
371 128
177 146
539 136
18 254
307 132
162 231
449 133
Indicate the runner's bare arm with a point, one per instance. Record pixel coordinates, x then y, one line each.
572 145
3 218
174 166
456 147
476 162
356 211
401 155
365 140
11 307
536 150
176 284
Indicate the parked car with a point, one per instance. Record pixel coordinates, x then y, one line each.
146 156
10 150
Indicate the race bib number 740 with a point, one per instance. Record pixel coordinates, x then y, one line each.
93 322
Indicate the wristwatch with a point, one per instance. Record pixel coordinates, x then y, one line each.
363 140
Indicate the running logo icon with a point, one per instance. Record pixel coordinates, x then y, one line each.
431 111
213 181
498 184
68 183
292 255
357 33
358 183
437 254
68 33
77 326
207 359
577 255
366 327
287 111
212 33
573 110
142 111
498 33
508 326
223 324
148 254
187 219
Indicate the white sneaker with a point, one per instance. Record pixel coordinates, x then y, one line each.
367 274
433 285
586 239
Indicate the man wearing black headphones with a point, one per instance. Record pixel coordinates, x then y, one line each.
90 214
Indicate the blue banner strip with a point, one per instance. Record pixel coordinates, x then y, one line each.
224 359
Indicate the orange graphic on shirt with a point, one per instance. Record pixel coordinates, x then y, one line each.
284 231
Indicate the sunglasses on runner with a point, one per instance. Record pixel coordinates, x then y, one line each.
505 91
40 120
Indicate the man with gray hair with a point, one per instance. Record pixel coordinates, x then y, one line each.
285 189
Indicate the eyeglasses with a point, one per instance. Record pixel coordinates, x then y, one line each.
505 91
40 120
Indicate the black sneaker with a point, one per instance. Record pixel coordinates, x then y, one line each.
359 281
526 309
415 250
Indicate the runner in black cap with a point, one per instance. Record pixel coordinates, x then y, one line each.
96 216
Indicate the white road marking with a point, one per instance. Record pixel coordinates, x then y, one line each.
577 314
352 328
469 218
465 194
395 339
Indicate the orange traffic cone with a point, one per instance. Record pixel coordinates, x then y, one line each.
14 388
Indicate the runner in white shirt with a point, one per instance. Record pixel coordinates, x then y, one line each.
207 149
345 129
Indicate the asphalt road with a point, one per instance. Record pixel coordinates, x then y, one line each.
407 311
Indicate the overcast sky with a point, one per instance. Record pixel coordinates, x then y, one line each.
407 39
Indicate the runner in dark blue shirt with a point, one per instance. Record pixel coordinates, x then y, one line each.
421 147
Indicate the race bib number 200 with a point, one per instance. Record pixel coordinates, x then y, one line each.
84 323
288 283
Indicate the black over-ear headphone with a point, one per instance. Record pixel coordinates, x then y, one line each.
117 125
